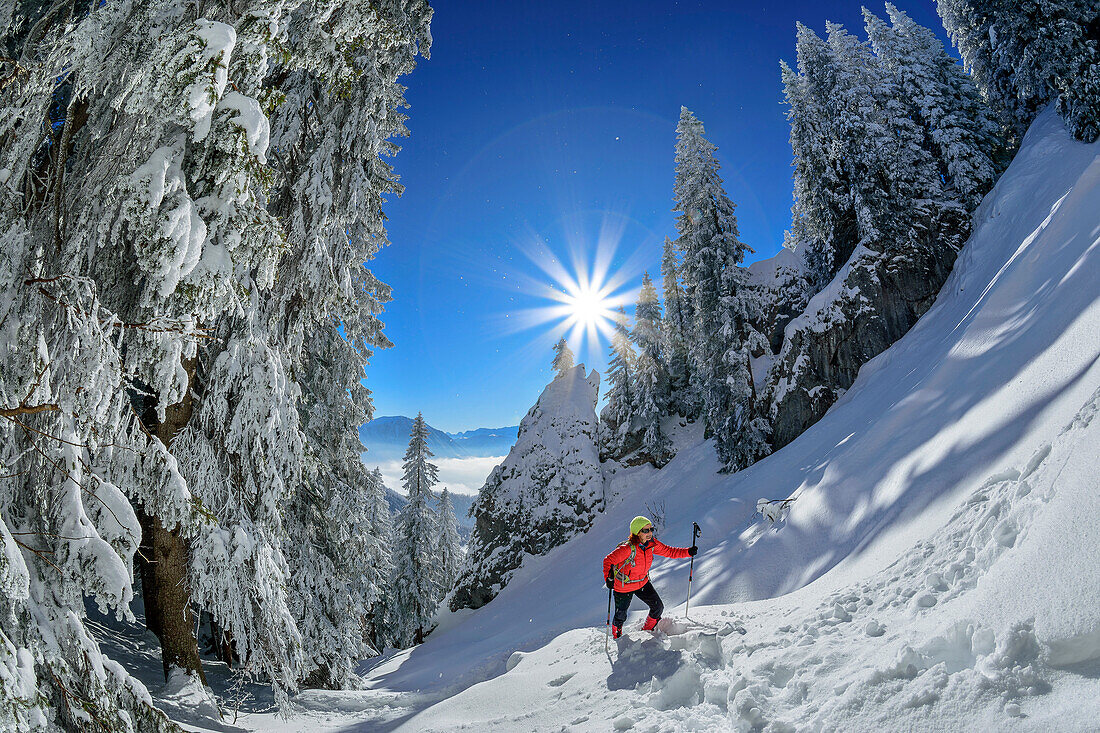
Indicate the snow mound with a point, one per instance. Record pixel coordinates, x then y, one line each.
184 699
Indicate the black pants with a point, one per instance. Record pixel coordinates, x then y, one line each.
647 593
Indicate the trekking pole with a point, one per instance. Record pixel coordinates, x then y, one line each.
607 629
695 532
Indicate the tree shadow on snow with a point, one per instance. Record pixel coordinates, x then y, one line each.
944 385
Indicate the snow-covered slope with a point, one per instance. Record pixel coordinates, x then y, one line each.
939 567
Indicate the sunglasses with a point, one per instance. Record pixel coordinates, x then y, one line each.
646 531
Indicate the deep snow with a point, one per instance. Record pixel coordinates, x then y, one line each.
939 567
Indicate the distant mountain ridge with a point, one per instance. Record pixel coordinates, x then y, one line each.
386 438
461 503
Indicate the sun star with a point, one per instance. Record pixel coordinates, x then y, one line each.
585 289
588 307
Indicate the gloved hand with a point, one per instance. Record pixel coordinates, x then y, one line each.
610 583
692 551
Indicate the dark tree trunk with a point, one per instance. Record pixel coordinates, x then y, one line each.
163 564
167 595
222 645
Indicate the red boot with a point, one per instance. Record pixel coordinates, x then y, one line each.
650 623
616 632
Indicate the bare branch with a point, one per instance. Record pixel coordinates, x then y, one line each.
28 428
14 412
15 72
40 553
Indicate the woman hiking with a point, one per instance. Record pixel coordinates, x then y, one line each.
626 571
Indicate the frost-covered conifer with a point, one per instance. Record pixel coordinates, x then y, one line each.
124 211
416 590
563 357
1023 55
140 241
449 549
238 571
887 170
865 174
675 327
712 277
67 529
617 434
742 432
651 382
958 128
335 527
330 544
379 560
881 203
339 113
822 213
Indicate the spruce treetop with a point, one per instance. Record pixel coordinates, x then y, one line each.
647 318
420 475
563 357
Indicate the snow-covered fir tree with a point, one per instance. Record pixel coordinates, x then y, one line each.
329 193
416 589
327 197
563 357
449 548
140 241
675 330
865 172
1024 55
822 216
332 542
380 559
238 571
617 434
878 144
713 280
651 381
548 489
958 129
126 209
743 433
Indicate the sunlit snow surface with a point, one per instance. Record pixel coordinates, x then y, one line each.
939 567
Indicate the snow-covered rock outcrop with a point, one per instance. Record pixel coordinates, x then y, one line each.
781 282
871 303
548 489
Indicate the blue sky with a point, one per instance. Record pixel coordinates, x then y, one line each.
544 131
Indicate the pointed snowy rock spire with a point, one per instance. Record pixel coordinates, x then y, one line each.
548 489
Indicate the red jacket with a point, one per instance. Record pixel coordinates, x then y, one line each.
630 575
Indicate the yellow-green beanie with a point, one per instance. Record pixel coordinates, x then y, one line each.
637 523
